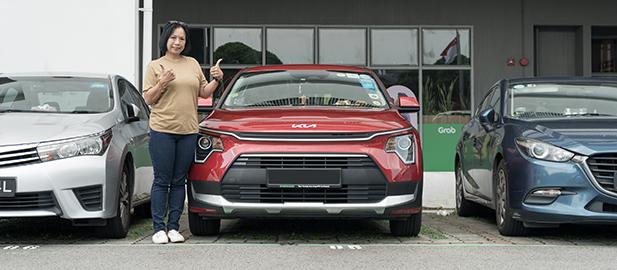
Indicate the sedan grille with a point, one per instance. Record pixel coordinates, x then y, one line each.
263 194
604 170
28 201
19 157
303 161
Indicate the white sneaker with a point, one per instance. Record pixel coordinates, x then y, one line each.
160 237
175 236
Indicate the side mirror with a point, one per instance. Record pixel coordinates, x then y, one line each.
133 113
205 105
408 104
488 118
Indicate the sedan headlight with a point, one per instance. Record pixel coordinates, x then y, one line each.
403 146
94 144
543 151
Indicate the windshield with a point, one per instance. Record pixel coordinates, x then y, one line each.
54 95
545 100
316 88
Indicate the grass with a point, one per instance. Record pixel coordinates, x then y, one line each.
432 233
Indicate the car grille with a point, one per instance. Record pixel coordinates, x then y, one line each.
604 170
18 157
303 161
345 194
28 201
90 198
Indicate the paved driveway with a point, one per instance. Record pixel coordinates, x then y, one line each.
437 230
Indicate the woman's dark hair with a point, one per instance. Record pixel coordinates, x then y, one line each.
168 29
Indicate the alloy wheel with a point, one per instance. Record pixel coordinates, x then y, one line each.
124 200
459 187
501 197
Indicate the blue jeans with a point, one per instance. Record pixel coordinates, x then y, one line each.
171 159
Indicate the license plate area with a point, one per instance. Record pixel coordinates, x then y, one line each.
7 187
303 178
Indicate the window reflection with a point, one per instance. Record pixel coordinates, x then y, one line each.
342 46
238 45
446 47
604 49
446 96
290 46
393 47
198 45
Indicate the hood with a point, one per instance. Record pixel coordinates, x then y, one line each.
583 136
305 121
25 128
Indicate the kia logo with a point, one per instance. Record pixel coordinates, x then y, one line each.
303 125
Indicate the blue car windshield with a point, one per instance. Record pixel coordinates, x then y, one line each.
306 88
47 94
550 100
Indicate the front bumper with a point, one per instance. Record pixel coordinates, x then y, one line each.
583 203
390 207
64 184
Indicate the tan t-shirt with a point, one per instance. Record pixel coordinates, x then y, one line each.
176 110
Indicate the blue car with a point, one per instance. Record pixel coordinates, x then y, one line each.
541 152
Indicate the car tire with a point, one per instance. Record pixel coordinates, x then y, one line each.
118 226
464 208
201 227
506 225
406 227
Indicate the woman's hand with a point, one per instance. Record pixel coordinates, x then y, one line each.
166 76
216 71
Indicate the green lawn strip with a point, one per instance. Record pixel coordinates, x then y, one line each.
432 233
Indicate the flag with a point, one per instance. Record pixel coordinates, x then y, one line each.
451 51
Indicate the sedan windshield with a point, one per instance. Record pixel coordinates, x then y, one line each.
54 95
318 88
546 100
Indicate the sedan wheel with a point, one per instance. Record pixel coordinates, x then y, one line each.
118 226
503 214
464 208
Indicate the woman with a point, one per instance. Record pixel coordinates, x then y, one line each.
172 85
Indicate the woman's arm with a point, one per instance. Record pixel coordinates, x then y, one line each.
154 93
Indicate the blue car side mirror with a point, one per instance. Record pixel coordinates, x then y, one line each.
488 118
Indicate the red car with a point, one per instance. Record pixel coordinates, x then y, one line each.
307 141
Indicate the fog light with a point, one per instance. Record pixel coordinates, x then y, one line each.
545 195
547 192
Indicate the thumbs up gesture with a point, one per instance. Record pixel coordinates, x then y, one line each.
216 72
166 76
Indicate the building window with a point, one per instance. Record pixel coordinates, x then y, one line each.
394 47
238 46
446 47
342 46
290 46
604 49
199 44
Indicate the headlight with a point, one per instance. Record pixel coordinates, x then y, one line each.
94 144
403 146
207 144
543 151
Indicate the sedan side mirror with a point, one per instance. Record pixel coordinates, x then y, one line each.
488 118
408 104
133 113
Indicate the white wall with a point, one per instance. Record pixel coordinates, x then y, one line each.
69 35
439 190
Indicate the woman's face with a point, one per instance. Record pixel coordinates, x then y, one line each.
176 42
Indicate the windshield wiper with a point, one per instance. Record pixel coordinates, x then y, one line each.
590 114
80 111
19 110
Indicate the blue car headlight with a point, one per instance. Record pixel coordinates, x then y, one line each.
544 151
403 146
94 144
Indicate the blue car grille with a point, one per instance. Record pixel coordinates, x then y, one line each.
604 170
